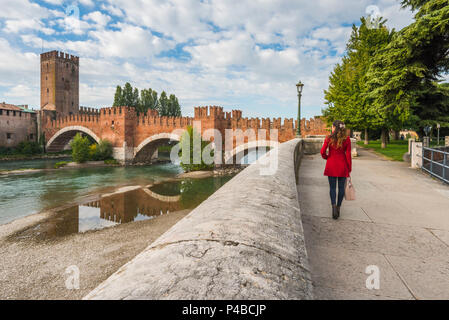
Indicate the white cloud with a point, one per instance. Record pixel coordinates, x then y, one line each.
241 53
99 18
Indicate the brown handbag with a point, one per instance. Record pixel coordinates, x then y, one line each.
349 190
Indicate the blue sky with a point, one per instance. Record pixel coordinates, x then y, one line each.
239 54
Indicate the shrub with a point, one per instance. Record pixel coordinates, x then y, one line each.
190 133
93 152
80 148
28 148
61 164
111 161
104 150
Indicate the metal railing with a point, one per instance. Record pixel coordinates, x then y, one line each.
436 162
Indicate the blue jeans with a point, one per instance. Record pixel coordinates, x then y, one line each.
333 189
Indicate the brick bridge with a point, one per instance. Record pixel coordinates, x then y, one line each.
136 138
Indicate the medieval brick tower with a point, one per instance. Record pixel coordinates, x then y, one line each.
60 83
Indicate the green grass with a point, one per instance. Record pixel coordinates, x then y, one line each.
61 164
394 150
111 161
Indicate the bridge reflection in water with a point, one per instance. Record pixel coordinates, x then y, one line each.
135 205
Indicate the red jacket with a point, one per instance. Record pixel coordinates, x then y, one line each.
339 161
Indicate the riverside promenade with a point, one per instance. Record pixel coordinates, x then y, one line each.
399 223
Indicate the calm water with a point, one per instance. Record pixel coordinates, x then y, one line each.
135 205
22 195
31 164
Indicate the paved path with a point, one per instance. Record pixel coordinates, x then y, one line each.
399 222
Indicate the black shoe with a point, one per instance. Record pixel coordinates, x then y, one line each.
334 212
338 211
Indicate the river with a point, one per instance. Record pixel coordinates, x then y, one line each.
22 195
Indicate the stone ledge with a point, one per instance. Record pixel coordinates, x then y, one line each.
246 241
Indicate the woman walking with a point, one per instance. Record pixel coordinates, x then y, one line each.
338 164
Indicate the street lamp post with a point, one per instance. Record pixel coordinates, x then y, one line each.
299 87
438 127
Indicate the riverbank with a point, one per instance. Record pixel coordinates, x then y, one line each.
21 157
97 232
92 164
33 269
217 172
68 165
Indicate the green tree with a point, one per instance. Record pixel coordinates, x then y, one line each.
346 95
163 105
148 99
80 148
174 110
193 152
404 77
118 97
128 95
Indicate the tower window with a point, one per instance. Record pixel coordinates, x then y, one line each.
62 78
9 136
46 78
48 90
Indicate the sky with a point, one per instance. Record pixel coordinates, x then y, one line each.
238 54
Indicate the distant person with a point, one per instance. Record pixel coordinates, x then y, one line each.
338 164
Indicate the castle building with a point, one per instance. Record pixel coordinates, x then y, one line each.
59 83
17 124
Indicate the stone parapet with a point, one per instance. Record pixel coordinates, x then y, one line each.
245 242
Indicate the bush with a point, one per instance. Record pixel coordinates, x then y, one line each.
80 148
104 150
23 148
100 151
111 161
28 148
61 164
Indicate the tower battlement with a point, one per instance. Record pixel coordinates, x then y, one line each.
60 83
59 55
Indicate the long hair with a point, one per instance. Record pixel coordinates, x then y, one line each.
339 135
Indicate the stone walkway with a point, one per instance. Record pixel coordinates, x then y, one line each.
399 223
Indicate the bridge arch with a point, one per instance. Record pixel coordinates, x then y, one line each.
60 139
148 147
240 150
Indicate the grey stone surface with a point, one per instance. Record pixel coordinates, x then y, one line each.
399 222
245 242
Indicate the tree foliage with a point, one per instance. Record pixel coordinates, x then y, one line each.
392 80
80 148
346 95
404 77
147 100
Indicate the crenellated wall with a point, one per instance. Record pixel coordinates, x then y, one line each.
128 131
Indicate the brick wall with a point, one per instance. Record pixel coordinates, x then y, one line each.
122 124
17 126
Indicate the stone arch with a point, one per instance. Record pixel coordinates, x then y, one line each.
60 139
248 146
147 148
